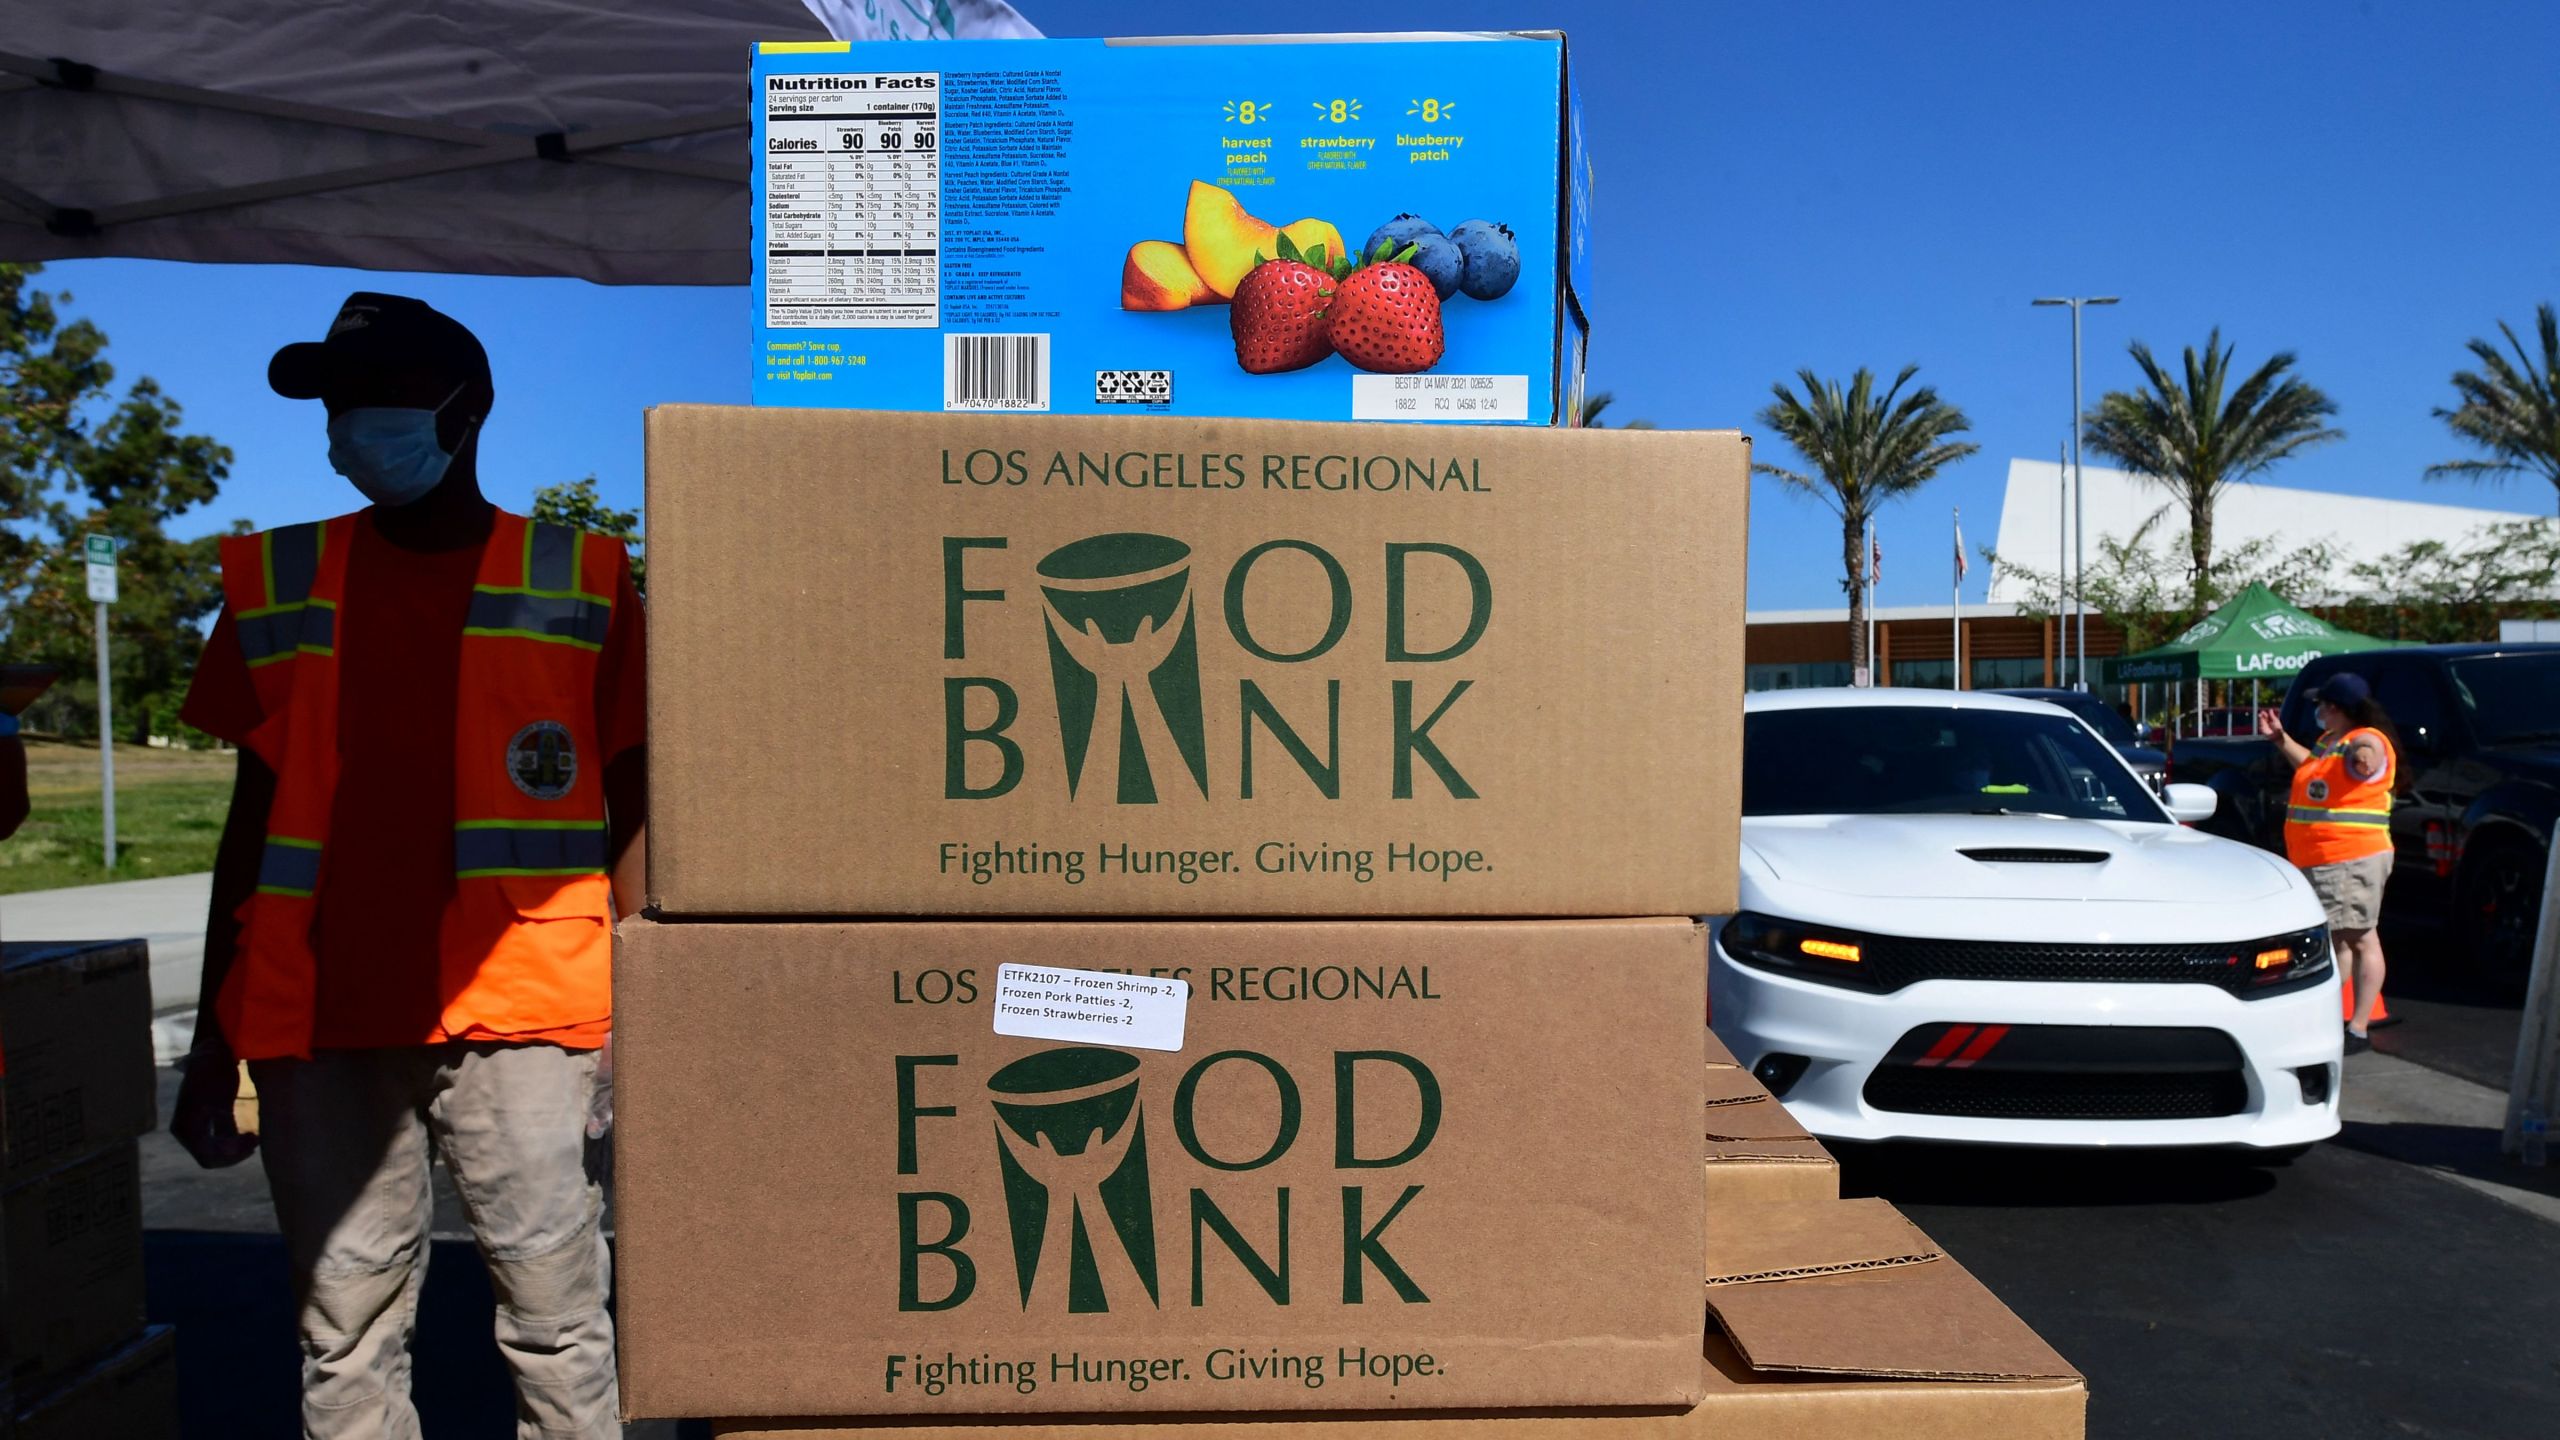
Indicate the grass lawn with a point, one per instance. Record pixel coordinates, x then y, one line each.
169 808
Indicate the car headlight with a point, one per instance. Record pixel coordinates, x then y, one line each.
2283 963
1834 957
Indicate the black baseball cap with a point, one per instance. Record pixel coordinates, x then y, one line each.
2346 690
375 331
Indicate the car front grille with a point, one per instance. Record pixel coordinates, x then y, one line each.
1998 1095
2061 1072
1896 961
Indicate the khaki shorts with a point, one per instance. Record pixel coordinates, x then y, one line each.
2351 890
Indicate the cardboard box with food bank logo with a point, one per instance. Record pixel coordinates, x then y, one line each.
1022 666
1367 1167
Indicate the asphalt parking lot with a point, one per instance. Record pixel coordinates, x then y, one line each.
2399 1281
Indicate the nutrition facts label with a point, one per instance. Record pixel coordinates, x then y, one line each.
853 201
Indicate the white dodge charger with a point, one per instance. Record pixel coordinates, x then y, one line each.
1963 918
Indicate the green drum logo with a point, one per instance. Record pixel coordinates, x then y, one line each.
1072 1139
1124 654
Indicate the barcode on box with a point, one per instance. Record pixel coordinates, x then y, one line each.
995 372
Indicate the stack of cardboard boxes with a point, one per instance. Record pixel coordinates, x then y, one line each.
1177 925
1364 1158
75 1026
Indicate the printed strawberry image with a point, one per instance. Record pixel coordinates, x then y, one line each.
1279 311
1385 316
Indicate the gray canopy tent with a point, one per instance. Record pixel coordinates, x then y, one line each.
511 137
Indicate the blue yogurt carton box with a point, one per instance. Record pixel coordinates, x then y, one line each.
1386 227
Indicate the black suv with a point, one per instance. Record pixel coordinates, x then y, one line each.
2479 795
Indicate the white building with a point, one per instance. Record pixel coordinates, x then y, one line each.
2357 527
1915 644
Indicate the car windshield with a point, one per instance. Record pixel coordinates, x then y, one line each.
1933 760
2111 727
2510 698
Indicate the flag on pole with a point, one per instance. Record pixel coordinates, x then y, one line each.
1961 567
1875 558
922 20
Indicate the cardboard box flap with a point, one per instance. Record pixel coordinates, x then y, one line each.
1761 1119
1718 1057
1731 1084
1930 1320
1803 1149
1753 1243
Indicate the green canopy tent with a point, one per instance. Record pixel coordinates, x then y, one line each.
2254 636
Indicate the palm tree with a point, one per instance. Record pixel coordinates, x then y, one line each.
1597 401
2512 411
2192 440
1864 449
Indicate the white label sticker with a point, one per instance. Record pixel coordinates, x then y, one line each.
1092 1007
1475 398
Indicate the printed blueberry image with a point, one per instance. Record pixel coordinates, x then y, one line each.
1399 232
1439 257
1492 258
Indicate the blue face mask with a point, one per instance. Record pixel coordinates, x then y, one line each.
390 452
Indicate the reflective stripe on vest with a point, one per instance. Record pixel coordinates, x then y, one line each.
290 557
550 606
289 866
528 615
527 847
291 621
2313 815
310 627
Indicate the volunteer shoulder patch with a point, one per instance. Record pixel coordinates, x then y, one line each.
542 760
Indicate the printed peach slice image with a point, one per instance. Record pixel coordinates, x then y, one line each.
1158 276
1221 238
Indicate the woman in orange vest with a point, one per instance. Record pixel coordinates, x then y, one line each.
2337 827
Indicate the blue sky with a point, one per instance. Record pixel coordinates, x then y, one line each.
1778 186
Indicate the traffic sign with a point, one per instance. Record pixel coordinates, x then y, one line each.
101 552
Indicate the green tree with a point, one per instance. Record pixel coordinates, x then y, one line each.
575 502
1863 449
2189 436
2138 584
2430 592
80 459
2511 410
1596 402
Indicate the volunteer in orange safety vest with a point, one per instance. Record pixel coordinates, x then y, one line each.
2338 829
437 817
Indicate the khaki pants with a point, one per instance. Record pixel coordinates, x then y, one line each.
344 1138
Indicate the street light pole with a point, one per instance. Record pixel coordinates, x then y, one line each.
2079 549
2062 562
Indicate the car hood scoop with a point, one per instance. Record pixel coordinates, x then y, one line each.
2007 857
2034 855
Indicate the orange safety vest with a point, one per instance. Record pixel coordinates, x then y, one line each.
2332 815
526 942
